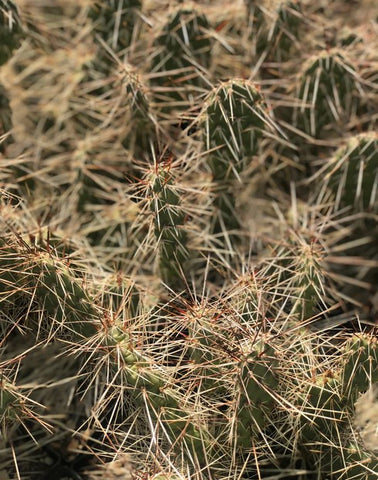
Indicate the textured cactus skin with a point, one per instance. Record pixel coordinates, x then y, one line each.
361 365
49 278
257 23
286 29
330 401
5 116
165 402
232 123
258 380
143 133
327 91
352 174
8 401
276 29
188 209
121 293
62 297
53 285
168 222
10 39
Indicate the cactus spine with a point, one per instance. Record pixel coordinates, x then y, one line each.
234 119
206 175
352 174
327 93
168 224
183 51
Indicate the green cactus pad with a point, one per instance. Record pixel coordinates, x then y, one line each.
168 222
234 118
181 47
327 93
352 174
115 21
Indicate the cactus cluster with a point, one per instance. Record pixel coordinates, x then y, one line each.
188 242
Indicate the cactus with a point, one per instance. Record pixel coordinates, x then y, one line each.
41 274
233 121
352 174
116 22
349 180
274 29
328 93
164 403
187 209
183 51
9 401
284 32
299 261
257 382
328 405
360 368
168 224
144 131
10 30
5 118
10 39
64 299
257 26
120 293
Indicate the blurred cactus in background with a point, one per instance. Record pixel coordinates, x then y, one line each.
352 174
116 22
328 93
181 57
188 245
10 39
10 30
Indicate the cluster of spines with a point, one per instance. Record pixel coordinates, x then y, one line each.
328 93
53 286
233 121
328 405
168 220
233 124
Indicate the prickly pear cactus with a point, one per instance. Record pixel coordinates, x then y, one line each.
233 121
328 93
168 222
182 51
188 263
352 173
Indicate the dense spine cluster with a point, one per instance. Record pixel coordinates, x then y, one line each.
188 261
